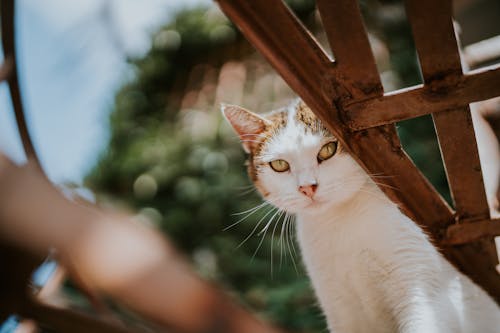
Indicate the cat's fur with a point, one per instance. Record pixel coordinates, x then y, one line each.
372 268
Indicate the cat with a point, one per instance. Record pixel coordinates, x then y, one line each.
372 268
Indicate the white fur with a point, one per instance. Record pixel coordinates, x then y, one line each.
372 268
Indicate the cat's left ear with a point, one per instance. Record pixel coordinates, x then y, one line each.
247 124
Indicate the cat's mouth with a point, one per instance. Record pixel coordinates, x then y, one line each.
313 203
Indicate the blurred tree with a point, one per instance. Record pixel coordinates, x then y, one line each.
173 160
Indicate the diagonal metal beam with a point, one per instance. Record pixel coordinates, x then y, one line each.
351 49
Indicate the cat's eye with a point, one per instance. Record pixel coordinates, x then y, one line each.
327 151
279 165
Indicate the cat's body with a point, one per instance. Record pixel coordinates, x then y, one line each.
374 271
372 268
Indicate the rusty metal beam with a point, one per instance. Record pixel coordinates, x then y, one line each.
437 49
462 233
419 100
357 76
478 260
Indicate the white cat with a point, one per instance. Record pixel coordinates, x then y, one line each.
372 268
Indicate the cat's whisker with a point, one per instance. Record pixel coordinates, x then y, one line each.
251 209
247 191
258 246
256 141
283 225
272 247
381 176
284 233
256 227
264 235
386 185
261 239
290 241
268 223
244 187
260 135
245 217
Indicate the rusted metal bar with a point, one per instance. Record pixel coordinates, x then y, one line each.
463 233
289 46
416 101
358 76
7 11
437 49
478 260
275 32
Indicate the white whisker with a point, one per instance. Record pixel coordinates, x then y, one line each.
272 247
251 209
255 228
290 240
265 231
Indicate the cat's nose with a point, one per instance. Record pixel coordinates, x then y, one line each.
308 190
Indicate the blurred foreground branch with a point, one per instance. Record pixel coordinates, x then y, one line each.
112 255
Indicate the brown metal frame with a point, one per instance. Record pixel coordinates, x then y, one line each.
347 95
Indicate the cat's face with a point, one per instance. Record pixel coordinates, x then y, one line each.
295 163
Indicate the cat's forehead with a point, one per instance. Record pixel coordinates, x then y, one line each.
293 129
296 118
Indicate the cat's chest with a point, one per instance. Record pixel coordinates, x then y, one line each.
347 258
346 266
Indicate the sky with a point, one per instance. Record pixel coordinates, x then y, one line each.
71 61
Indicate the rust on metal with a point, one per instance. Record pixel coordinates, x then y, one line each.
419 100
463 233
351 49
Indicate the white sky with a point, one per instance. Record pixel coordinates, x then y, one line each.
69 70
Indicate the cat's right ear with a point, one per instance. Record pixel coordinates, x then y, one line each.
247 124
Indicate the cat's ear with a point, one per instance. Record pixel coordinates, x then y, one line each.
247 124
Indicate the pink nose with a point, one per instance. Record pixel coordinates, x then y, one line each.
308 190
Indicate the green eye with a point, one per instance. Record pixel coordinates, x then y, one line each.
279 165
327 151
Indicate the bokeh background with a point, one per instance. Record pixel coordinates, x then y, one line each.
123 100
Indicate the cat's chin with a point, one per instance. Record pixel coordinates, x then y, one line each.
316 207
